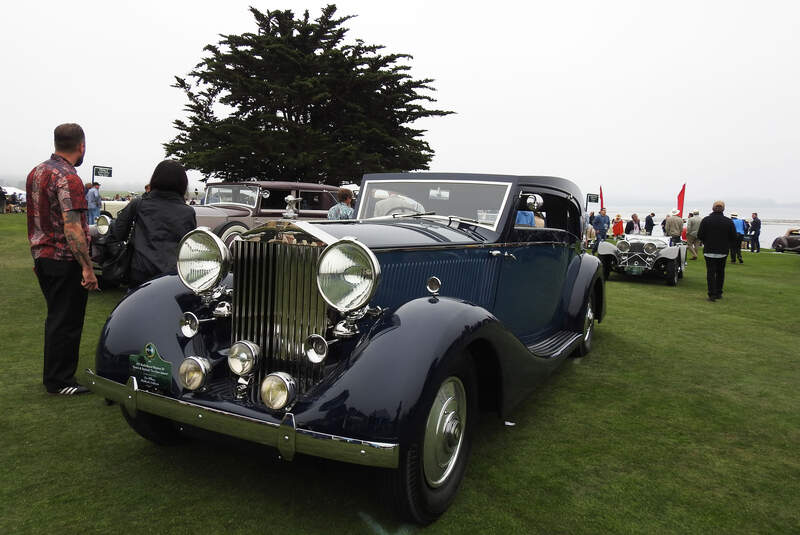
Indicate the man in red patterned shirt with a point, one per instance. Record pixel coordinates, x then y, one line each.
59 237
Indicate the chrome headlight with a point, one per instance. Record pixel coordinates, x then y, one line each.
203 260
194 372
347 275
103 224
243 357
623 246
650 248
278 390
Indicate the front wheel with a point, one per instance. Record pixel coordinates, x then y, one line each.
779 247
606 268
672 273
433 465
154 428
229 231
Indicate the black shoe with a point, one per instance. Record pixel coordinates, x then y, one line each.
712 299
70 390
718 296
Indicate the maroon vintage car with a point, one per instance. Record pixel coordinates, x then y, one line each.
230 208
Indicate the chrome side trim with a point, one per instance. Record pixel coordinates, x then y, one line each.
337 448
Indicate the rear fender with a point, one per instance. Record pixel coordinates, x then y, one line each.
588 278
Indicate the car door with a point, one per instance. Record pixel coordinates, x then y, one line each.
534 268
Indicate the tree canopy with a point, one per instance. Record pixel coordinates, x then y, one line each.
294 101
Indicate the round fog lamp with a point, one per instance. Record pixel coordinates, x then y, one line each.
189 325
650 248
316 348
278 390
243 357
623 246
103 224
193 372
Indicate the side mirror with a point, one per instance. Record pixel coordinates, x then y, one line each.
534 202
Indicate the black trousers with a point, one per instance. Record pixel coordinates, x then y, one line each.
736 248
60 282
755 244
715 275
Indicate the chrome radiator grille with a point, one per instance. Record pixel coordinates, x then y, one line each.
276 305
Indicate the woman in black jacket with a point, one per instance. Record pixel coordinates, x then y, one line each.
159 219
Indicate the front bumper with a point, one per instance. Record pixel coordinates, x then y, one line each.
286 437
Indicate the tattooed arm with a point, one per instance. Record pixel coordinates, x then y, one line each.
76 239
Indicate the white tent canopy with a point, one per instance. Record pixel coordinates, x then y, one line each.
10 190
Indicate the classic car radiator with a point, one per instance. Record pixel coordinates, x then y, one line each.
276 305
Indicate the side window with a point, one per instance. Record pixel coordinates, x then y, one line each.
315 200
275 201
552 219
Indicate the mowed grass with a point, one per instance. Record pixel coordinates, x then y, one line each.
685 418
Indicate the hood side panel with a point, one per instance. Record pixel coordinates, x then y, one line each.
467 274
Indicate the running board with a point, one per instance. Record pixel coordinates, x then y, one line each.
556 344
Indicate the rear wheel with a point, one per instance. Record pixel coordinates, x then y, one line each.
588 328
154 428
433 465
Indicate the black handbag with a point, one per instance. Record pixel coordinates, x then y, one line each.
118 254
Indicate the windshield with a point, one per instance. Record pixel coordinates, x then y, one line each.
469 199
232 194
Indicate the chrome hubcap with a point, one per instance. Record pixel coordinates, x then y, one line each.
444 432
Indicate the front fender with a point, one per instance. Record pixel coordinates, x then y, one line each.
395 369
151 314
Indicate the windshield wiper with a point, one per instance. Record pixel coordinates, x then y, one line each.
463 219
415 214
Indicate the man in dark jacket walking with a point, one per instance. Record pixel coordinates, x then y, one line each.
717 234
755 233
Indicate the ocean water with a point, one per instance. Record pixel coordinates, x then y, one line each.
774 222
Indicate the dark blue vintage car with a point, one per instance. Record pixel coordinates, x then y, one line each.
371 341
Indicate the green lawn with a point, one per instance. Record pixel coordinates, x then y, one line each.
685 418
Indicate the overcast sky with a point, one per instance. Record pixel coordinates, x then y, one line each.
636 96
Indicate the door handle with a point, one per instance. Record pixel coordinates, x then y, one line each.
502 253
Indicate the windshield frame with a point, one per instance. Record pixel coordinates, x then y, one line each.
367 183
222 185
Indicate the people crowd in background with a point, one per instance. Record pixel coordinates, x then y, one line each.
601 223
755 233
634 226
618 227
736 244
94 202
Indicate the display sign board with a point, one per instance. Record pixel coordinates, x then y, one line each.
590 197
103 171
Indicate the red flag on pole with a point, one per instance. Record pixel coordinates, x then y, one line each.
601 198
680 200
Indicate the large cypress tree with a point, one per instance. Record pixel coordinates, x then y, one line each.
293 101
